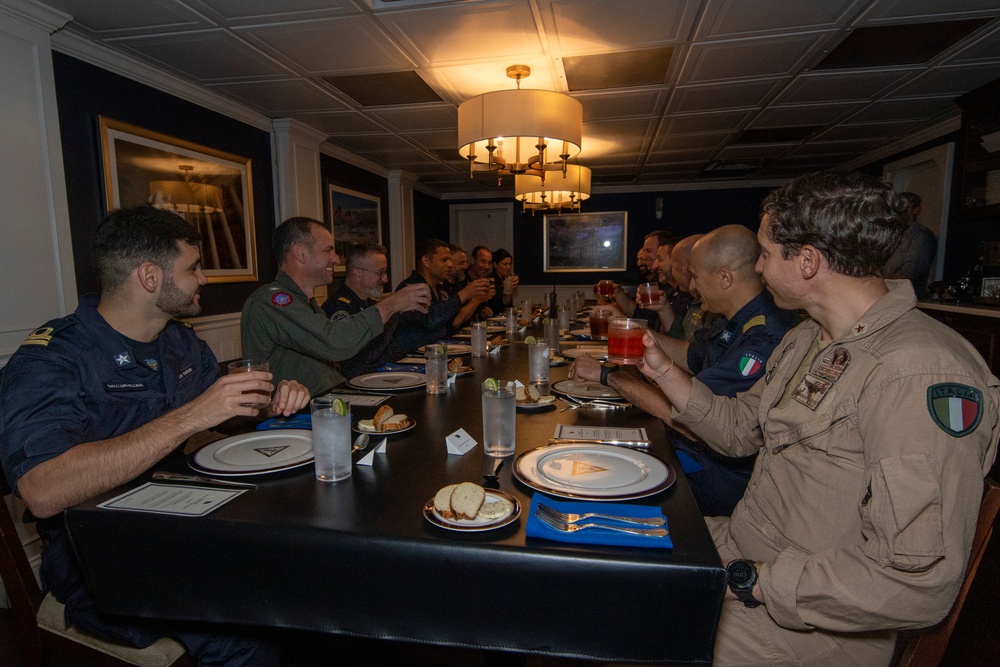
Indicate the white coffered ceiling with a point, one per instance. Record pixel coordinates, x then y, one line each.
742 93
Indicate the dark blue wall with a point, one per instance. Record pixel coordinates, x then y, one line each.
84 93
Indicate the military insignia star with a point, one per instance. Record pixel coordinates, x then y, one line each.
121 359
859 328
727 336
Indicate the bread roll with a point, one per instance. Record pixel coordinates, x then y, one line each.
442 501
395 422
466 500
383 413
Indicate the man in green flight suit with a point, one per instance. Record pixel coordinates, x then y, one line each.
283 324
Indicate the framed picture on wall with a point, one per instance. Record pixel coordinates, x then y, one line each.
354 217
208 188
585 241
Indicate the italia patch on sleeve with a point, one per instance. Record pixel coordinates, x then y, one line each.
955 408
751 364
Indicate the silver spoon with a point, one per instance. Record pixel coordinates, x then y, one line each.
360 443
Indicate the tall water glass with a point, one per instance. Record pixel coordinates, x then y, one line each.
526 308
256 398
552 334
499 418
625 340
331 434
479 330
563 318
436 368
538 366
511 321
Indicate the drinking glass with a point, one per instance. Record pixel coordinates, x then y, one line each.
508 284
511 321
606 288
563 318
625 340
526 308
599 322
436 368
538 366
479 339
261 399
551 325
648 294
331 434
499 419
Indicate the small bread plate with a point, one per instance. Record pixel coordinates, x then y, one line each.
388 381
593 471
558 361
585 389
475 525
255 453
463 370
410 424
542 403
596 351
454 349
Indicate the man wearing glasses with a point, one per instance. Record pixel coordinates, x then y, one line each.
361 287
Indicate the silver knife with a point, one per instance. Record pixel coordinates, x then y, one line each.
595 441
163 476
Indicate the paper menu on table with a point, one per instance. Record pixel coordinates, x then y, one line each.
365 400
576 432
176 499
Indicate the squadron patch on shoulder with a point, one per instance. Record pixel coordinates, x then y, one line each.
955 408
281 299
41 336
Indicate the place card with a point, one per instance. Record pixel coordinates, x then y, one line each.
175 499
576 432
460 442
369 458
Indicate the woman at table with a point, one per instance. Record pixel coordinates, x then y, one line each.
504 281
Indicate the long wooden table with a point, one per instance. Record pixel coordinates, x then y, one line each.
358 558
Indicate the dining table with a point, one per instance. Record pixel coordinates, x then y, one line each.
359 557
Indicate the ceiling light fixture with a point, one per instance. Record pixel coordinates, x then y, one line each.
556 192
519 131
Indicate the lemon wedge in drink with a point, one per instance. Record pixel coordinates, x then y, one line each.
340 407
530 340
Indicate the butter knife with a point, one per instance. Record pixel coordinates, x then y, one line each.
164 476
595 441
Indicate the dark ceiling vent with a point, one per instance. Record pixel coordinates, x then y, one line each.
910 44
372 90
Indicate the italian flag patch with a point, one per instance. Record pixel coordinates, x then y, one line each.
750 364
955 408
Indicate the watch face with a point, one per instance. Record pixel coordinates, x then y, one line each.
740 573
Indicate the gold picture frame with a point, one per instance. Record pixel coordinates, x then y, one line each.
211 189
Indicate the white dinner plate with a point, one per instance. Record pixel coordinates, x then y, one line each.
255 453
542 403
454 349
475 525
410 424
388 381
585 389
594 472
596 351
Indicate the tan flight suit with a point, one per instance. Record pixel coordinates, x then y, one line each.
864 497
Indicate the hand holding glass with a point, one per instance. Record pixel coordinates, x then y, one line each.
625 340
648 294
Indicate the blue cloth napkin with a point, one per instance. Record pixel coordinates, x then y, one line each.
413 368
535 527
688 464
295 421
582 337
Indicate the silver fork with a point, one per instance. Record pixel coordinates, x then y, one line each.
566 517
573 527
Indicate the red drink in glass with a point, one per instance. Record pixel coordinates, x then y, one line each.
648 294
625 340
599 323
606 288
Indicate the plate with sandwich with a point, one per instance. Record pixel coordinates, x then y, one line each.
468 507
385 422
527 399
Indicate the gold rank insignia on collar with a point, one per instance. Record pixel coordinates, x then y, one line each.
42 336
756 321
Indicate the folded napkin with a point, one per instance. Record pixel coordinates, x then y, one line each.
536 528
414 368
295 421
688 464
583 337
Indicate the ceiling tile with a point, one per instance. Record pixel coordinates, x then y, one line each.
210 55
117 17
366 143
282 97
800 114
621 69
244 11
604 25
721 61
888 45
670 142
902 109
384 88
827 86
347 122
723 95
729 18
620 104
707 122
950 80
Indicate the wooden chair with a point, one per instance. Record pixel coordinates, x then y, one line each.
927 647
41 634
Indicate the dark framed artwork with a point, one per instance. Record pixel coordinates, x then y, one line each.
576 242
354 217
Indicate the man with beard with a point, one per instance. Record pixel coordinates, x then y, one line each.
460 264
481 266
283 324
366 274
91 401
873 426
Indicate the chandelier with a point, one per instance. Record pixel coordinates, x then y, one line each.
519 131
556 191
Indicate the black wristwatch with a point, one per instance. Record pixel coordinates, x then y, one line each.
607 369
741 575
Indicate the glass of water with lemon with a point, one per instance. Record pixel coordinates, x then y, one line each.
499 417
331 433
